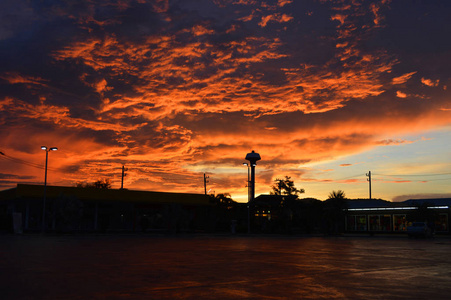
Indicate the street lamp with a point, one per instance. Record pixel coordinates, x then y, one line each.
45 181
252 158
248 198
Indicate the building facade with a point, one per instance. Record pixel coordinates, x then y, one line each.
73 209
382 216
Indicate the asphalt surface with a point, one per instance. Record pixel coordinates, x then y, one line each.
224 267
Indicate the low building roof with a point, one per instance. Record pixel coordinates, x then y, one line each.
368 203
93 194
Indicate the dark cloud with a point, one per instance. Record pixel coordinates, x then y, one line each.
421 196
15 177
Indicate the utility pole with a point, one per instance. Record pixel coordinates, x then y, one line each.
123 175
369 180
205 183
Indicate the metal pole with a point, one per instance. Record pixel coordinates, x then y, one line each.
369 181
45 189
252 158
248 202
252 182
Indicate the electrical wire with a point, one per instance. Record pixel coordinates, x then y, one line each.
24 162
402 176
406 175
351 177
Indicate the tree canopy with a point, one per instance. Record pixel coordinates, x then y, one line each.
99 184
337 195
224 200
285 187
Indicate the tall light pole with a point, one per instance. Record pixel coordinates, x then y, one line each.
45 181
248 198
252 158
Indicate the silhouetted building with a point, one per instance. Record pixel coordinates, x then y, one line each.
73 209
287 214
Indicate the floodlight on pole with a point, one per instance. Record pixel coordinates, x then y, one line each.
45 181
252 158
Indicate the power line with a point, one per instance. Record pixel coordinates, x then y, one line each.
394 175
407 175
21 161
351 177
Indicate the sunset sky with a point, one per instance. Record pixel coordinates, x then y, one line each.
325 91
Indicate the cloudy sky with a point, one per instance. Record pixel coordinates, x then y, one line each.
325 91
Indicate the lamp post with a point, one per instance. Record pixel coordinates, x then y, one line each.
45 181
248 198
252 158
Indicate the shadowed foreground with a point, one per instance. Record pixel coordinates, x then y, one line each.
131 267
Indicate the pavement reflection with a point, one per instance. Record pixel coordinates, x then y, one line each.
223 267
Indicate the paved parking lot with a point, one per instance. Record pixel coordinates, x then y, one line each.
223 267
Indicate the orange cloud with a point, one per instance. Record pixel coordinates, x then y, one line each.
16 78
400 94
101 86
375 9
199 30
339 17
282 3
430 82
278 18
403 79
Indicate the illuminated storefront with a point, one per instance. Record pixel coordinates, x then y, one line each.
356 223
400 222
383 216
442 224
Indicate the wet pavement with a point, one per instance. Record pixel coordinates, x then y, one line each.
223 267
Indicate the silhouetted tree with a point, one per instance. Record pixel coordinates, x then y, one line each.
224 201
337 195
99 184
285 187
334 213
224 212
